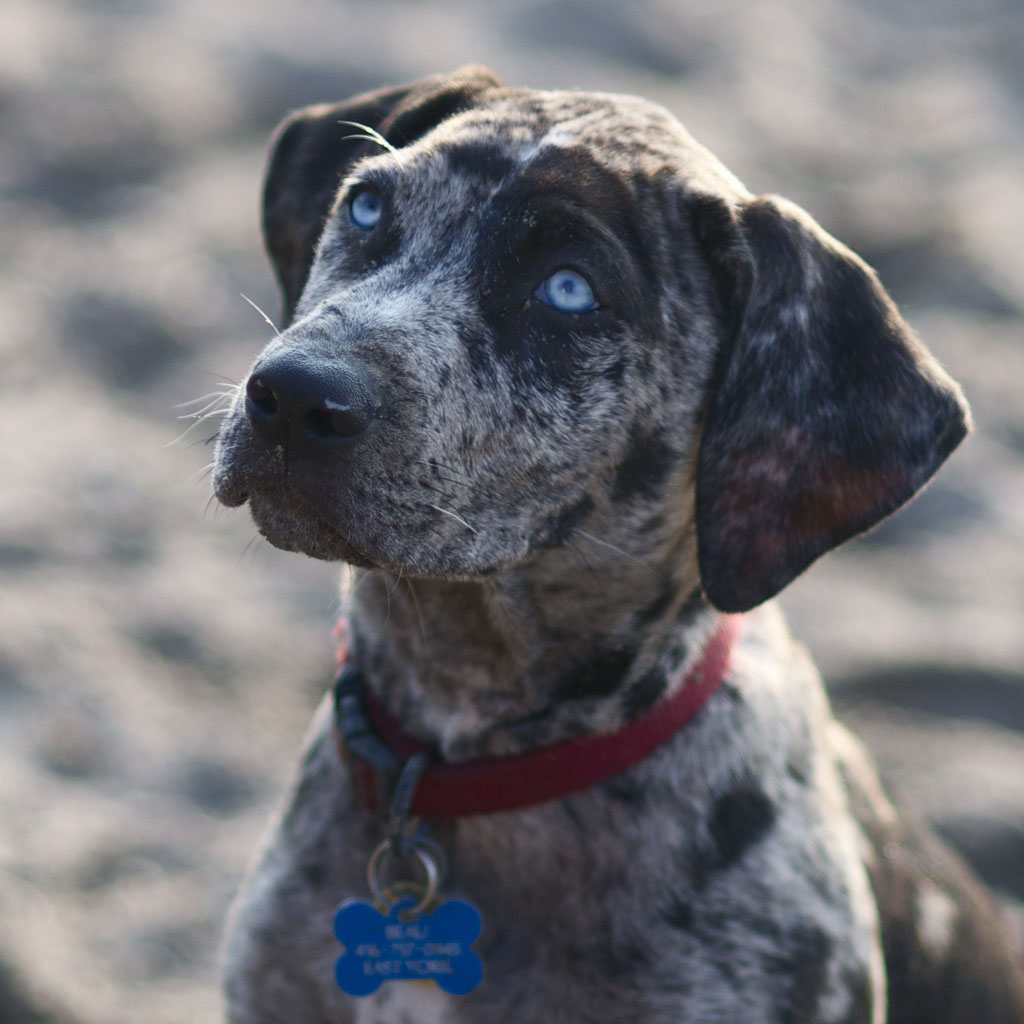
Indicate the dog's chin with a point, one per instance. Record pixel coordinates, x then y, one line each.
298 528
305 532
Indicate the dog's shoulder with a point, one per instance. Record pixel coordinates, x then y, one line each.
945 950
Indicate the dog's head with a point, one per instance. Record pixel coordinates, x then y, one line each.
511 315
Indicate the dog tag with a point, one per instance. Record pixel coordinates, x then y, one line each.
389 947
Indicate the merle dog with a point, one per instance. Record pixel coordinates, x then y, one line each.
567 395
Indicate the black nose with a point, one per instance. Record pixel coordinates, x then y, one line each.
298 398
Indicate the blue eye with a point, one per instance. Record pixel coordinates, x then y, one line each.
568 291
365 209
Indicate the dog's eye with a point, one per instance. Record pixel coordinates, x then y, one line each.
365 209
568 291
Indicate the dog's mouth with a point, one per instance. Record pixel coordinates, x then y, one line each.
287 519
377 505
291 525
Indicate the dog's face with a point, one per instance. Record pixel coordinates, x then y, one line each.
514 315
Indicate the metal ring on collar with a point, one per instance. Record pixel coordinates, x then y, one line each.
380 885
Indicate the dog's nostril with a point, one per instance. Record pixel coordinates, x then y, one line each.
334 420
261 395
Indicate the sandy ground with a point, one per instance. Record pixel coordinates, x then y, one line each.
157 667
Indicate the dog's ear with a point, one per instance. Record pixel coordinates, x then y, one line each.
314 147
825 412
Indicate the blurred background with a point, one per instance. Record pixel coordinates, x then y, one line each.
158 666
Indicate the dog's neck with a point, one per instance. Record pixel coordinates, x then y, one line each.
530 656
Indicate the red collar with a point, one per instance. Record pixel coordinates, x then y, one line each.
372 742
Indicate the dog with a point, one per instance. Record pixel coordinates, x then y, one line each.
575 405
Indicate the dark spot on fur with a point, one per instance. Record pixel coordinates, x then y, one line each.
615 372
679 913
675 654
802 956
619 964
644 693
599 676
574 816
731 693
314 873
644 468
653 523
695 603
559 528
444 375
740 819
658 606
625 790
479 161
859 986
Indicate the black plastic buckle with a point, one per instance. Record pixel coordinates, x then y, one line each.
360 739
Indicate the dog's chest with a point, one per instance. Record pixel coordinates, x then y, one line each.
405 1003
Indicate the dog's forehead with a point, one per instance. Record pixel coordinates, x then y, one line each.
518 131
617 130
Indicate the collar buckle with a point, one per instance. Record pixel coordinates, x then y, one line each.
376 767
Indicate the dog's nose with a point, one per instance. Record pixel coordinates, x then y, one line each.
292 396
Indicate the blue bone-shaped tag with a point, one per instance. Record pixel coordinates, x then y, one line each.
381 948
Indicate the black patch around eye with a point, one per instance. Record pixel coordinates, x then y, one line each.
533 342
739 820
644 468
599 676
351 249
644 693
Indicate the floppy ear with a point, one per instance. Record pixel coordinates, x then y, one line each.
826 413
314 147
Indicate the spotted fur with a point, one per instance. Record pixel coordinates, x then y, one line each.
548 512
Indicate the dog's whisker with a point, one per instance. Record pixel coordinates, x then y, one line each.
269 322
452 480
211 399
201 474
370 134
457 518
249 551
457 476
213 406
614 547
198 422
440 491
411 591
221 378
208 414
